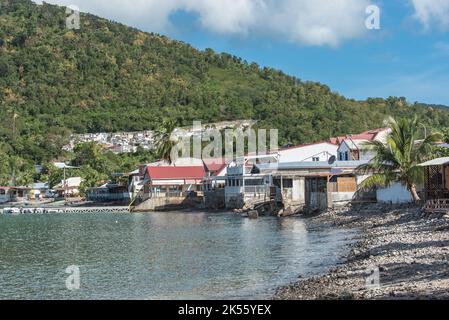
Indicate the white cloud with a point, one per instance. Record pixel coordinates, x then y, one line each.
309 22
432 12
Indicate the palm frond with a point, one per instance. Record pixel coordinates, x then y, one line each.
376 180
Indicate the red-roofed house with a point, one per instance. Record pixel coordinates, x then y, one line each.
167 181
215 167
216 171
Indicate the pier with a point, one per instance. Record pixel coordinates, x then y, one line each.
63 210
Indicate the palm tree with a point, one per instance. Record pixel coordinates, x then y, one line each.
165 141
397 160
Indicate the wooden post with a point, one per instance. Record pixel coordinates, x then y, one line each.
330 200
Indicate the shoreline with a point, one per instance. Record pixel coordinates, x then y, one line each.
407 248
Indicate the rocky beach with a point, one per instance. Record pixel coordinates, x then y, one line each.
401 252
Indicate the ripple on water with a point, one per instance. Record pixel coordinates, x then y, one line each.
160 255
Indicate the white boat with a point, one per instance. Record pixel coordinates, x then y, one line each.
13 211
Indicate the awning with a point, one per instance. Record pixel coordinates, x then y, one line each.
435 162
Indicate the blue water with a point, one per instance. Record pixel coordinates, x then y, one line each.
160 255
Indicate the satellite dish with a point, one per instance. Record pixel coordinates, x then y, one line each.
332 160
255 170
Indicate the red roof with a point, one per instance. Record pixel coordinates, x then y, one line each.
176 173
215 165
367 135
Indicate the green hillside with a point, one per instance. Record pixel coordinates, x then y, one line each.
110 77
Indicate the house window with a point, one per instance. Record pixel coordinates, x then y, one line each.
346 156
288 184
316 159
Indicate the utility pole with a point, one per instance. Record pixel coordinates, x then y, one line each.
65 187
13 179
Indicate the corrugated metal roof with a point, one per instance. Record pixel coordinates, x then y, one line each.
435 162
311 165
176 173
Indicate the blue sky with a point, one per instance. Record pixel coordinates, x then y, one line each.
318 40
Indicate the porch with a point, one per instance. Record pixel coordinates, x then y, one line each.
436 185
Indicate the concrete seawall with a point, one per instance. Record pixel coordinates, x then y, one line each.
168 203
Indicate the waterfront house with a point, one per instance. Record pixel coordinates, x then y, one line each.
353 148
34 191
216 171
164 185
38 190
168 181
245 184
69 187
7 194
316 185
109 192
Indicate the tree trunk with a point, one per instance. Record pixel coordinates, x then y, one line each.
414 193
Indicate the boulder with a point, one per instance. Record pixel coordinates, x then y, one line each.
253 214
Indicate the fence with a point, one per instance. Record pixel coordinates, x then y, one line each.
343 185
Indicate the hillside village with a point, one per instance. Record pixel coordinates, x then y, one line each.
129 142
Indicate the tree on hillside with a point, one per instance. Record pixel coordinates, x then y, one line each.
91 154
397 160
165 141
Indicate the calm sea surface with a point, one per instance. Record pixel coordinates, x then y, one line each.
160 255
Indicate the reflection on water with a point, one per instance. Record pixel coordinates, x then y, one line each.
160 255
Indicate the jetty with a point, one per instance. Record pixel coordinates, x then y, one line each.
63 210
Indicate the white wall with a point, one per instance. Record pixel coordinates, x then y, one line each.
4 198
396 193
307 152
298 192
365 153
343 149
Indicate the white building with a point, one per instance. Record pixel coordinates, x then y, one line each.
316 152
6 194
354 148
70 186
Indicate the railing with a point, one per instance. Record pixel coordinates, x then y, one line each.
437 205
173 194
257 189
109 197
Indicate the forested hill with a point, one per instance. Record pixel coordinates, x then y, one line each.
110 77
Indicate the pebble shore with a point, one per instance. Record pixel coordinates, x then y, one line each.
402 253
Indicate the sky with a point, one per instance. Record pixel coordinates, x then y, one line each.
328 41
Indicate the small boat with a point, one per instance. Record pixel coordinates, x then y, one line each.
13 211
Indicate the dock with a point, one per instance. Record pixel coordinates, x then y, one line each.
64 210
